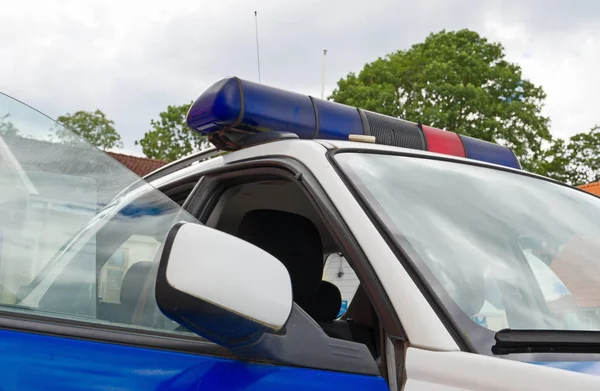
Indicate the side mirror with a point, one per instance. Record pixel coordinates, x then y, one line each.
220 287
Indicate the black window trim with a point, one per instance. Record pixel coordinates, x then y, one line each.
40 324
432 293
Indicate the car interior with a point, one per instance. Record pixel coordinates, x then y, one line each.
278 216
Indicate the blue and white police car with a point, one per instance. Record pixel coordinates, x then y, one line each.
208 274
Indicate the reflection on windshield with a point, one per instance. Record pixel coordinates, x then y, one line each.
509 250
68 247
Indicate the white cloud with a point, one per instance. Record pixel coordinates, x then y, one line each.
562 61
131 59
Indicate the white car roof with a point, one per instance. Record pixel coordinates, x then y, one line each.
293 148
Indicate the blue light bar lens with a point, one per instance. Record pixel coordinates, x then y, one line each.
336 121
489 152
218 107
268 109
252 107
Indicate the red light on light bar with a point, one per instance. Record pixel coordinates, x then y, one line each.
441 141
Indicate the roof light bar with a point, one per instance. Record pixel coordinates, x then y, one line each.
489 152
444 142
233 109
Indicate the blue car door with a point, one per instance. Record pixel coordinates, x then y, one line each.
36 360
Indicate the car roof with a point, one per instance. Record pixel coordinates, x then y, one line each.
200 160
372 147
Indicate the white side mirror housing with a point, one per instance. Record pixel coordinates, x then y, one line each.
220 287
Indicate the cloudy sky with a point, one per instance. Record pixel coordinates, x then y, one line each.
131 58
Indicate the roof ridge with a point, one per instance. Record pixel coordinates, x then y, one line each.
592 188
137 157
593 184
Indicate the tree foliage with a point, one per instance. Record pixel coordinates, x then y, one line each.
170 138
7 128
94 127
576 161
455 81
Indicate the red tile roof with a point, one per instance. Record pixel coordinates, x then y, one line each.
593 188
140 165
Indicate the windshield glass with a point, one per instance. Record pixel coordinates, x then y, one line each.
499 249
68 247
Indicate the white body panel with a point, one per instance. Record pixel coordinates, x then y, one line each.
205 263
190 170
453 371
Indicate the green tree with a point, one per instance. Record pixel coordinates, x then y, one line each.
6 127
552 161
170 138
575 162
94 127
584 155
455 81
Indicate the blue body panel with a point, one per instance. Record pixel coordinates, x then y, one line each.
39 362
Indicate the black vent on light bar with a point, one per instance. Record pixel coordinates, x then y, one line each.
393 131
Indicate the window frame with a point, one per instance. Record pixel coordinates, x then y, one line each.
204 198
95 330
199 199
106 333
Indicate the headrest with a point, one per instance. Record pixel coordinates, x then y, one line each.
133 282
292 239
325 305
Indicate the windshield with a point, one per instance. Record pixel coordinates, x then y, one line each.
499 249
68 247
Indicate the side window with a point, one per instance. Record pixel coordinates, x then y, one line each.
338 271
111 277
105 272
126 279
33 228
137 250
79 232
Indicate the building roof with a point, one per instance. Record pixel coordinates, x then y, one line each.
593 188
140 165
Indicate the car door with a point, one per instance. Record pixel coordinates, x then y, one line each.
77 267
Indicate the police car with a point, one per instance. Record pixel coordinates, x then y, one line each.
209 273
